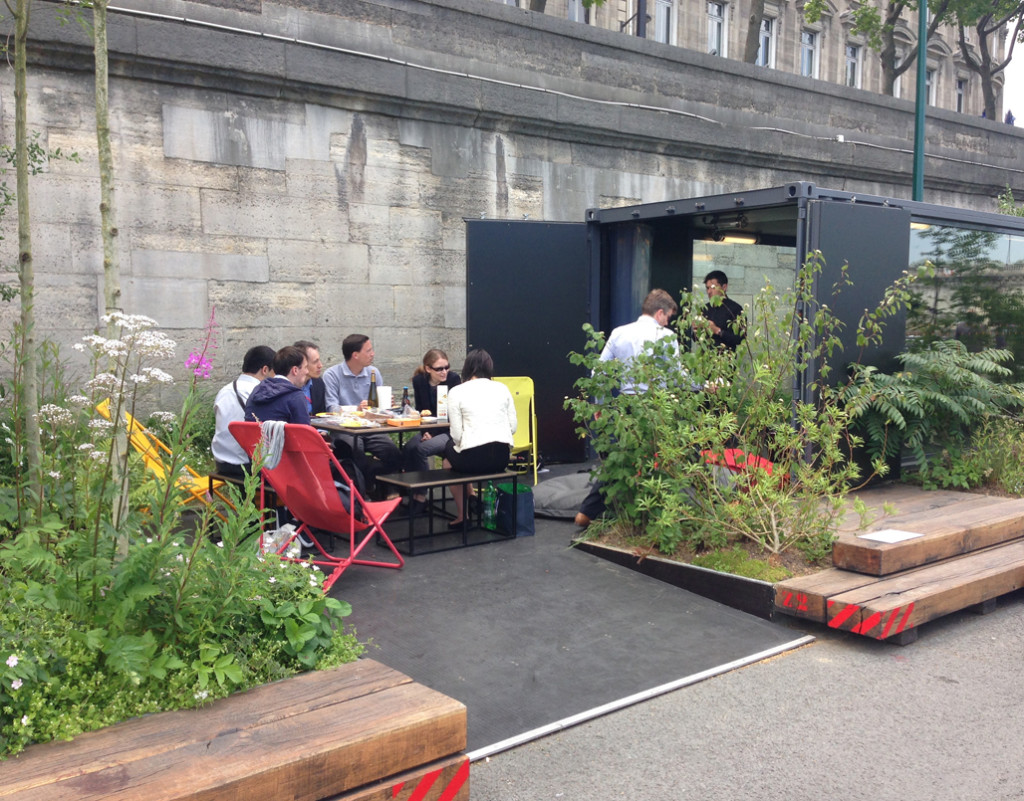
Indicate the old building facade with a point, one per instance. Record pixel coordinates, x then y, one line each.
304 168
826 49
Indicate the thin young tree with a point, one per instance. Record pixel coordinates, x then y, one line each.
28 386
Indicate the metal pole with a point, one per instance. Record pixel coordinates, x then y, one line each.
641 19
921 100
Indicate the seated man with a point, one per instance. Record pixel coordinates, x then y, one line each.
228 456
314 390
280 396
348 384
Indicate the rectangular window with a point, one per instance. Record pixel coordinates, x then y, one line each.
853 66
663 21
766 43
577 11
716 29
808 54
930 88
961 95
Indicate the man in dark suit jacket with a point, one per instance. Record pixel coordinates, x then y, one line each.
314 389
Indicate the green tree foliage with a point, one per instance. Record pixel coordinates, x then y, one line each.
989 20
663 450
879 25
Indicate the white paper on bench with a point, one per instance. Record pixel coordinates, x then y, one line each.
889 535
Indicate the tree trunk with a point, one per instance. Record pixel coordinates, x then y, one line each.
108 224
29 384
108 229
753 43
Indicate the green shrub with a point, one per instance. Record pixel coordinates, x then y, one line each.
114 604
659 449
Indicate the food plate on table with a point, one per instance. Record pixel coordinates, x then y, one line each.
428 419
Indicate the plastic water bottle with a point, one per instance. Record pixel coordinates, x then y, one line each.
490 501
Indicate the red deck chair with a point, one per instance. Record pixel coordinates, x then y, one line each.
739 461
304 483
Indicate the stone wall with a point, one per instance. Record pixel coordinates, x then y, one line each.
304 167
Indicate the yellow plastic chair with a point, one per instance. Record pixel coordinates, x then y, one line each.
152 450
525 440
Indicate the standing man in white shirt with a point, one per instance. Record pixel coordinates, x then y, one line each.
229 457
625 344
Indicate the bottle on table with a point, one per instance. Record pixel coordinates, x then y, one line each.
406 405
442 402
371 399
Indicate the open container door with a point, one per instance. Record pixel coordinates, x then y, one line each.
527 298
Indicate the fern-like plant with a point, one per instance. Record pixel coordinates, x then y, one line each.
932 405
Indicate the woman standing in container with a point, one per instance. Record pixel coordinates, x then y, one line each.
482 415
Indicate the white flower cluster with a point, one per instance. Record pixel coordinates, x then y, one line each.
54 415
102 382
167 418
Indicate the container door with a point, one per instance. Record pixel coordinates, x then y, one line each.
527 297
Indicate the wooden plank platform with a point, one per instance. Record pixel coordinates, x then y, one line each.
969 552
310 737
952 526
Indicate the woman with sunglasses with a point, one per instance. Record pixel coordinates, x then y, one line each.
432 373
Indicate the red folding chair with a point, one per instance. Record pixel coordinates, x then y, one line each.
305 484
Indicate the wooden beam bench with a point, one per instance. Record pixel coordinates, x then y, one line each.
941 532
359 732
430 480
892 607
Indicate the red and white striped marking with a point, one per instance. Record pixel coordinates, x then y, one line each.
429 789
889 623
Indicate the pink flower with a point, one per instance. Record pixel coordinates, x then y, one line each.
199 364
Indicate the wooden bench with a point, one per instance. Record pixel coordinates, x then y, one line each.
942 552
430 480
359 732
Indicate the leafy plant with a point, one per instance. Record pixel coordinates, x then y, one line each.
931 407
112 602
663 450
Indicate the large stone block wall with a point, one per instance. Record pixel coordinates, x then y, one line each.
304 167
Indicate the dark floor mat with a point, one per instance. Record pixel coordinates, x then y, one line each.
531 634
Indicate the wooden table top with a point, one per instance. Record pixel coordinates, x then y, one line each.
333 423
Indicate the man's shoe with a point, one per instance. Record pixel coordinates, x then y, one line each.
582 520
305 541
416 507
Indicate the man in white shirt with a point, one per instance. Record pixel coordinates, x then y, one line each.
228 455
625 344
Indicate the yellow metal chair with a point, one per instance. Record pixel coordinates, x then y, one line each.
151 448
525 440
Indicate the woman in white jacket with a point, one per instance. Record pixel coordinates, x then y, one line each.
482 418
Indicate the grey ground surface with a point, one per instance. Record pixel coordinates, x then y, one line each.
842 718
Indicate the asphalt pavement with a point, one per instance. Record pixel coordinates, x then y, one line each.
842 718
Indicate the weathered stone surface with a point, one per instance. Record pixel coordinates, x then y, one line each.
313 181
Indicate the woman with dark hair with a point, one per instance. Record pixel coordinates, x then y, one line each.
435 371
482 416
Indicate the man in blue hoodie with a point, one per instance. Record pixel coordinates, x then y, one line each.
280 397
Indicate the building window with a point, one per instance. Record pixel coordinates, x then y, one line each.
717 38
929 86
663 21
809 53
853 66
510 3
578 12
897 84
961 95
766 43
